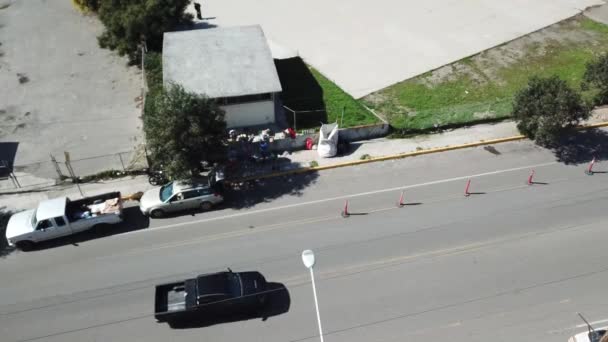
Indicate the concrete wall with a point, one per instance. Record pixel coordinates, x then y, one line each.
249 114
364 132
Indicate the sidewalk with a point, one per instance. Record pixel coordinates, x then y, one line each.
385 146
11 199
27 200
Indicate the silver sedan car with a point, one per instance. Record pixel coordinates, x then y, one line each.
179 196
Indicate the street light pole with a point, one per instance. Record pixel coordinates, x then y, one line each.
308 258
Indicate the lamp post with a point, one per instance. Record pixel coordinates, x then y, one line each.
308 258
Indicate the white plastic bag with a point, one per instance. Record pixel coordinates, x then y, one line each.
328 140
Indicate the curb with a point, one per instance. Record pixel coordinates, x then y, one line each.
402 155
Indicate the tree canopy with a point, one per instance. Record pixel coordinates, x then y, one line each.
546 108
182 129
596 75
129 22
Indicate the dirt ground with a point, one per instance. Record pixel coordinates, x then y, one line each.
61 92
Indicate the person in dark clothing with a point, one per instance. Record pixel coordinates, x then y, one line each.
197 8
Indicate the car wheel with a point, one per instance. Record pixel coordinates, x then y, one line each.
26 245
205 206
157 213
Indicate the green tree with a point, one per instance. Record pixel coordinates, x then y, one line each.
546 108
129 22
182 129
596 75
87 5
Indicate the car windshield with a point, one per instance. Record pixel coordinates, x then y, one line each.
166 191
34 223
596 336
226 283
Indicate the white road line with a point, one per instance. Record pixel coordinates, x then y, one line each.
361 194
592 323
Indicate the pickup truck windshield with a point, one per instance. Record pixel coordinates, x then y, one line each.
34 223
166 191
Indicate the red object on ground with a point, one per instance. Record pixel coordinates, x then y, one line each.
590 168
344 212
309 143
400 203
466 190
530 182
291 132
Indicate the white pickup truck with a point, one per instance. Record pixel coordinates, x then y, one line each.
60 217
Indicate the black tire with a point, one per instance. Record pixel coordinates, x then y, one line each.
206 206
26 245
157 213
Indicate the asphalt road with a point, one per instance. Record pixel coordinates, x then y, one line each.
511 263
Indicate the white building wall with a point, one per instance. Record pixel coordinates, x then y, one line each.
249 114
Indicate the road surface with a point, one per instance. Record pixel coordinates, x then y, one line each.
511 262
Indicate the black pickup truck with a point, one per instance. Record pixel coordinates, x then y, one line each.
210 295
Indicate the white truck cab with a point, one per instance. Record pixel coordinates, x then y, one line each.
60 217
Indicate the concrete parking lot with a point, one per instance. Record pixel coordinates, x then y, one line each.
60 91
365 46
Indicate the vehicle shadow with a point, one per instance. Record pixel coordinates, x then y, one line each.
133 220
266 190
5 249
582 146
278 302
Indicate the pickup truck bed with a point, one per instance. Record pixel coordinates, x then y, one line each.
92 206
173 298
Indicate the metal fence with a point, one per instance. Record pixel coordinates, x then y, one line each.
61 167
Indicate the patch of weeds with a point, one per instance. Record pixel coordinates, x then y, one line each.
418 148
314 163
481 89
592 25
365 157
22 78
18 127
336 101
109 174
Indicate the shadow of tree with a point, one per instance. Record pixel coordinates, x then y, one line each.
278 302
200 25
253 192
582 146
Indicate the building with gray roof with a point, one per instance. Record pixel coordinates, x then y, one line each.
233 65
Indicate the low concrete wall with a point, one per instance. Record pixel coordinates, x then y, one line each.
349 134
364 132
288 144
